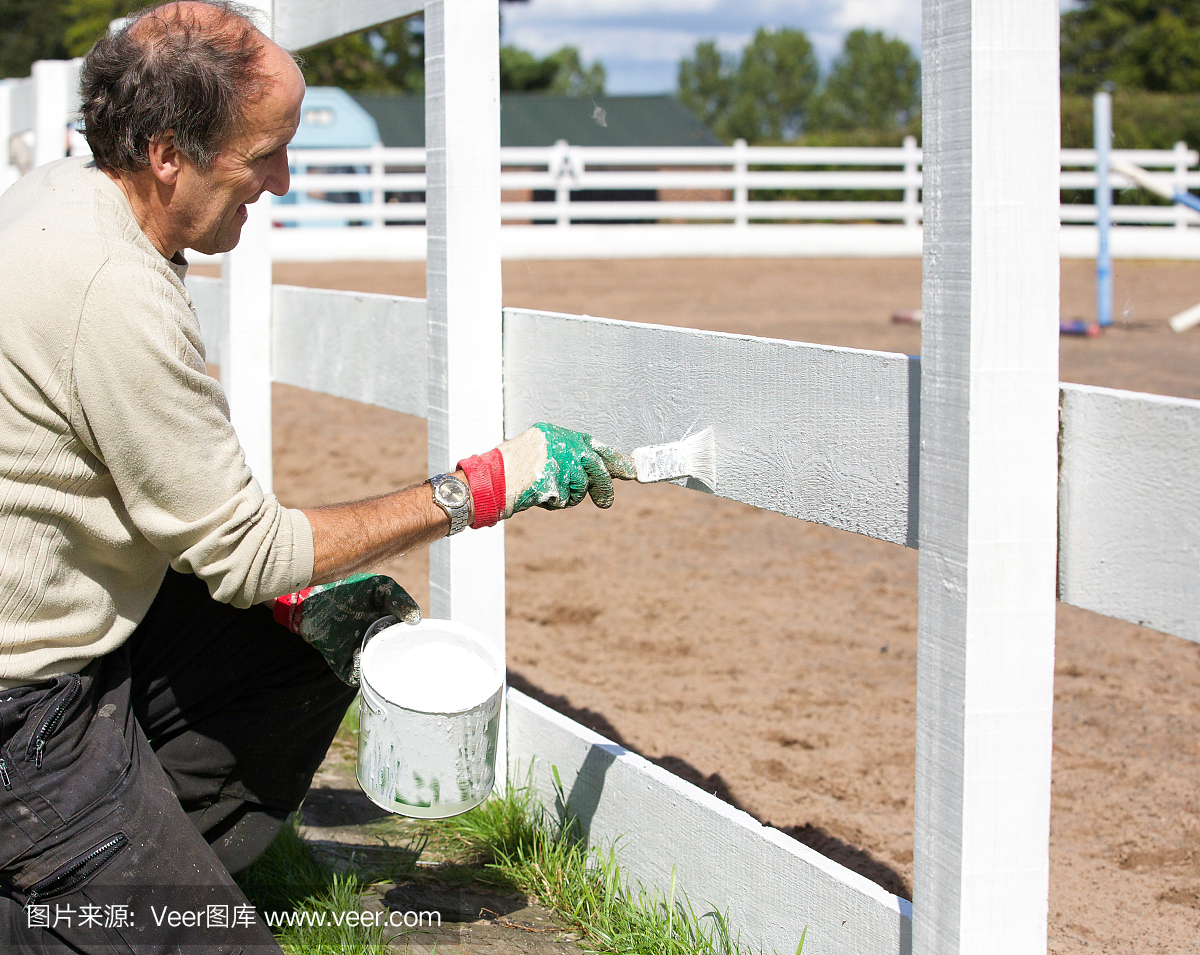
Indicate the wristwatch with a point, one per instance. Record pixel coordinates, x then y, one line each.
454 497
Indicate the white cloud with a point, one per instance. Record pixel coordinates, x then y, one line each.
621 42
901 18
641 42
595 8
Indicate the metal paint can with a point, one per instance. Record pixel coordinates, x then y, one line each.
427 762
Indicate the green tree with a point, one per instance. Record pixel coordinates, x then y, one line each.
563 71
706 84
88 20
774 86
1136 44
53 29
387 59
875 84
29 30
765 94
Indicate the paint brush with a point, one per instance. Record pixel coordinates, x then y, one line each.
694 456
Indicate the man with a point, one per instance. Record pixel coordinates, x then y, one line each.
157 726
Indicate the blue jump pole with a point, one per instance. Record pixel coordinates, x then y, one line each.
1102 131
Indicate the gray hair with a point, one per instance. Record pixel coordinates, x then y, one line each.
171 68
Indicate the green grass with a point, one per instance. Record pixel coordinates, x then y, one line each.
287 879
520 845
510 843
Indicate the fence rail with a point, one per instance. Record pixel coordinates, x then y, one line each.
565 185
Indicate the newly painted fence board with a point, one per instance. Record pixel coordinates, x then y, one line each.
1129 507
1129 525
209 300
463 283
246 350
300 24
368 348
769 885
817 432
986 613
22 106
55 85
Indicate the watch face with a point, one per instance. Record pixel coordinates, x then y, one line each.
452 493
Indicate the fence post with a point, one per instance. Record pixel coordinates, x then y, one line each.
988 478
377 196
463 291
560 168
1180 184
912 170
246 351
741 191
1102 135
53 99
8 172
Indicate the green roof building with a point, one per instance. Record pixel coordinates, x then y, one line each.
537 119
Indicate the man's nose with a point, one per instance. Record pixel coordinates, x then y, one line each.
279 177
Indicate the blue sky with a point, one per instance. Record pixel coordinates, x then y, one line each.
641 42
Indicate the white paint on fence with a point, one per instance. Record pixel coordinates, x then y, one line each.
699 241
769 885
13 94
466 400
1126 484
211 304
614 241
1129 513
816 432
246 351
985 658
300 24
55 84
368 348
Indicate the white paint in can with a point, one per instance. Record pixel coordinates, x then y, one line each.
431 677
428 717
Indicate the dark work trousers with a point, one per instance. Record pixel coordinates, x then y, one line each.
131 790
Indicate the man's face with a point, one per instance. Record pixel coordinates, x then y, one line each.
209 205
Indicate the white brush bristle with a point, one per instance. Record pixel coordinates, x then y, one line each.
694 456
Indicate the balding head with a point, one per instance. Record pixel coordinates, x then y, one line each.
188 67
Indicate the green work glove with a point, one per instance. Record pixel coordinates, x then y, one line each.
333 617
545 466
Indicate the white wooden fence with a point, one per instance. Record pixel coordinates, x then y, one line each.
694 200
967 454
392 184
812 431
699 201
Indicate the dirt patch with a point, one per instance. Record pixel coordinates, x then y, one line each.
774 662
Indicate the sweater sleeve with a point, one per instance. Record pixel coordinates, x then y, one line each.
145 406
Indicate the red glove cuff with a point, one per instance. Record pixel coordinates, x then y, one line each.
289 609
485 475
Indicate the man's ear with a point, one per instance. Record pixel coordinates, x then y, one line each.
165 158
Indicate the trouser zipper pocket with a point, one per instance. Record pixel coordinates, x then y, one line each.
37 744
78 871
4 777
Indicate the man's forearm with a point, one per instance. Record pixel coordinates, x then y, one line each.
351 537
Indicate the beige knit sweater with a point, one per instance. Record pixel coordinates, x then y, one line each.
116 452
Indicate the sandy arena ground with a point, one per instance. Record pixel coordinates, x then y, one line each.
773 661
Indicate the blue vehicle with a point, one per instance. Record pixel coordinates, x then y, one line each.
330 119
